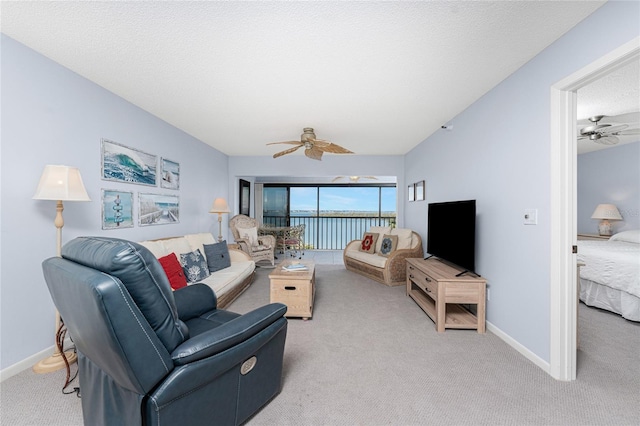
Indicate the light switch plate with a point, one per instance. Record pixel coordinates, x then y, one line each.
531 216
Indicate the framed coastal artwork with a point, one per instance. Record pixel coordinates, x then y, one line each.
158 209
123 164
169 174
245 193
117 209
420 191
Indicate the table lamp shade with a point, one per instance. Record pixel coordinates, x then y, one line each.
61 183
606 211
220 206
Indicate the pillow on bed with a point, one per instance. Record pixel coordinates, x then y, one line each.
632 236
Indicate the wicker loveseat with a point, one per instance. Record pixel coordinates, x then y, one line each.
391 270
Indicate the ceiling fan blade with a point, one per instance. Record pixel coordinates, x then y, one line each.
314 153
287 142
337 178
630 117
287 151
628 132
608 140
614 128
334 149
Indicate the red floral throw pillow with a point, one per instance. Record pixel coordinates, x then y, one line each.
174 271
368 243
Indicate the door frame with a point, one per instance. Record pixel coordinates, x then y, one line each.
563 280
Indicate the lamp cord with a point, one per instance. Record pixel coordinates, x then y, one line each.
60 335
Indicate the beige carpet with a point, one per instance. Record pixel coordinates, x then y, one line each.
370 356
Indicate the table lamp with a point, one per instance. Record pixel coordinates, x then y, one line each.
59 183
220 206
606 212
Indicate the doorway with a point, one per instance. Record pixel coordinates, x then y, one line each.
563 280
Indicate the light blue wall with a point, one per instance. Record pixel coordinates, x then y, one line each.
51 115
499 154
612 176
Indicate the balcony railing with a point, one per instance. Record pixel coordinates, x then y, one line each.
330 232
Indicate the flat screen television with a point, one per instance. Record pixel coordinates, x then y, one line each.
451 232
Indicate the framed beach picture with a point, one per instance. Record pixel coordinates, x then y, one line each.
123 164
245 193
117 209
420 191
158 209
411 192
169 174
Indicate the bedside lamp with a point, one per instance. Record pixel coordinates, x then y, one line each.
59 183
220 206
606 212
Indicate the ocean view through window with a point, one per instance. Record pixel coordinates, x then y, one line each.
333 215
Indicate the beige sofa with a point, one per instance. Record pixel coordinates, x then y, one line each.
391 270
228 283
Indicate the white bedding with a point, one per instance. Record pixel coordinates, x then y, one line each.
614 265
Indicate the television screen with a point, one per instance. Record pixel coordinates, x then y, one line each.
451 232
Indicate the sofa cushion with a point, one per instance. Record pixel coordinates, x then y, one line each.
368 258
178 246
197 241
195 266
227 279
217 256
381 230
404 237
389 245
155 247
173 269
368 242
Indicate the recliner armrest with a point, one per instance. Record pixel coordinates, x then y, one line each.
194 300
227 335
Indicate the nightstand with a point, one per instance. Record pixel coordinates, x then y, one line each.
582 237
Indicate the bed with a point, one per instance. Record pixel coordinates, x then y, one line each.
610 277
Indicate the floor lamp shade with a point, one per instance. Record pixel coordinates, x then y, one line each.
62 183
59 183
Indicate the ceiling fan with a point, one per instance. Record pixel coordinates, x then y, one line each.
608 132
354 179
314 148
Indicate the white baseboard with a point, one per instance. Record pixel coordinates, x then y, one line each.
29 362
544 365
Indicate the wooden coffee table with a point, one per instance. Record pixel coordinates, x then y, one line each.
296 289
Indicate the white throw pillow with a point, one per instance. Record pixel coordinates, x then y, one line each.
404 237
197 241
155 247
251 234
380 230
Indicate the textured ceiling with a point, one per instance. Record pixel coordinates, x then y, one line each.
374 77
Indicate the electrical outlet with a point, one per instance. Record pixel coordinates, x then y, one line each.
488 294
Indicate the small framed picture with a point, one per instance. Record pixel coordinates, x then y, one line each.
123 164
169 174
158 209
245 194
117 209
411 192
420 191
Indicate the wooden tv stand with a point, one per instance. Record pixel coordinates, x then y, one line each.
439 292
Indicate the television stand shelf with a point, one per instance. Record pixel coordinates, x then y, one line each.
439 292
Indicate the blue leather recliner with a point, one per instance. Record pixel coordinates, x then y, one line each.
151 356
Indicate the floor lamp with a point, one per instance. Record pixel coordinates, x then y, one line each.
59 183
220 206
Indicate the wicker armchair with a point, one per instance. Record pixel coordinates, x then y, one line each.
244 229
